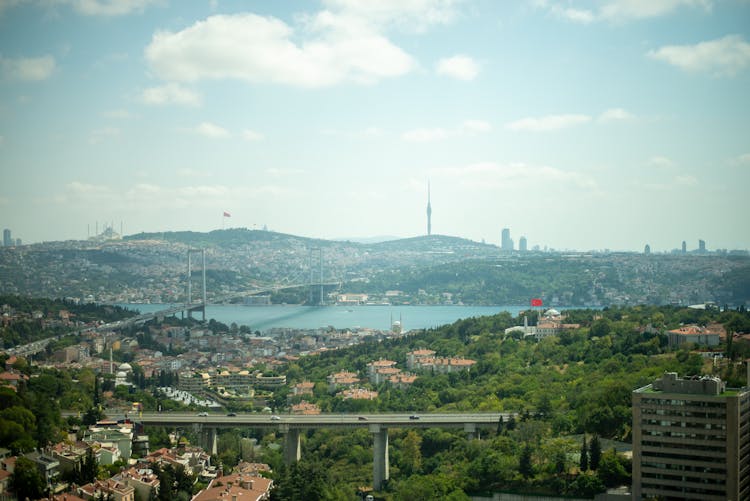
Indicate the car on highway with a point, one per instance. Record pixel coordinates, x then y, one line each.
231 414
362 418
414 416
203 414
275 418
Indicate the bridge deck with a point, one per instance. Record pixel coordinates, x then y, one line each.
293 421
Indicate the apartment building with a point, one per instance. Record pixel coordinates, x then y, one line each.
691 440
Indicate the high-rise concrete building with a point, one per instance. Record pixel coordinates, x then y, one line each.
522 244
506 243
647 249
702 246
691 440
7 240
684 247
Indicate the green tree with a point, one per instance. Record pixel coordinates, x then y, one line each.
613 469
411 455
26 481
584 463
595 452
525 467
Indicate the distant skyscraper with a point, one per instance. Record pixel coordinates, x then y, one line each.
702 246
429 211
522 244
684 247
647 249
7 240
506 243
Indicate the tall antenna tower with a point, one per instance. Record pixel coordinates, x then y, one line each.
429 210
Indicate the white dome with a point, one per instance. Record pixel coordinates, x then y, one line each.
126 367
552 313
121 375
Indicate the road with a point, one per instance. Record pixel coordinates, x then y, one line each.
291 421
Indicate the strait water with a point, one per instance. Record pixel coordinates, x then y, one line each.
262 318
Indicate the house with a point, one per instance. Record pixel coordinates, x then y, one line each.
103 488
143 480
236 487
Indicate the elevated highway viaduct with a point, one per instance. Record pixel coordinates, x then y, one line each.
291 425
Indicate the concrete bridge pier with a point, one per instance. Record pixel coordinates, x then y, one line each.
380 456
292 450
471 430
208 437
212 441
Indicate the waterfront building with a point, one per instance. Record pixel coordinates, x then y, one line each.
691 440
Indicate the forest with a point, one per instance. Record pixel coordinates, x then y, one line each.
570 397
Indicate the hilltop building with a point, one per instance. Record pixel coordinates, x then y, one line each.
691 440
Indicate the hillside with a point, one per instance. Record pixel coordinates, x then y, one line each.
150 267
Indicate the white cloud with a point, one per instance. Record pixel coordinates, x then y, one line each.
476 126
459 67
366 133
171 93
686 180
99 135
549 122
251 135
621 10
643 9
410 14
660 161
615 115
426 135
492 176
723 56
28 68
266 50
273 171
468 127
211 130
109 7
118 114
740 160
79 188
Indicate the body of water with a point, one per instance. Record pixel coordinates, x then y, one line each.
262 318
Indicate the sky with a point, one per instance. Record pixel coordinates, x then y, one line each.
584 125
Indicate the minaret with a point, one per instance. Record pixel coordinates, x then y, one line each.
429 211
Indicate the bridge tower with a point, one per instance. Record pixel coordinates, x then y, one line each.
312 275
189 301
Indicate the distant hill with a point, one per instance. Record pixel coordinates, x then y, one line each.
435 269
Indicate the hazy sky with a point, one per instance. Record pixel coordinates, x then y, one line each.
581 125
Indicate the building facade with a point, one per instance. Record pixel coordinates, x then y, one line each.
691 440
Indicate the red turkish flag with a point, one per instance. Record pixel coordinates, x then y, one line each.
226 214
536 302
